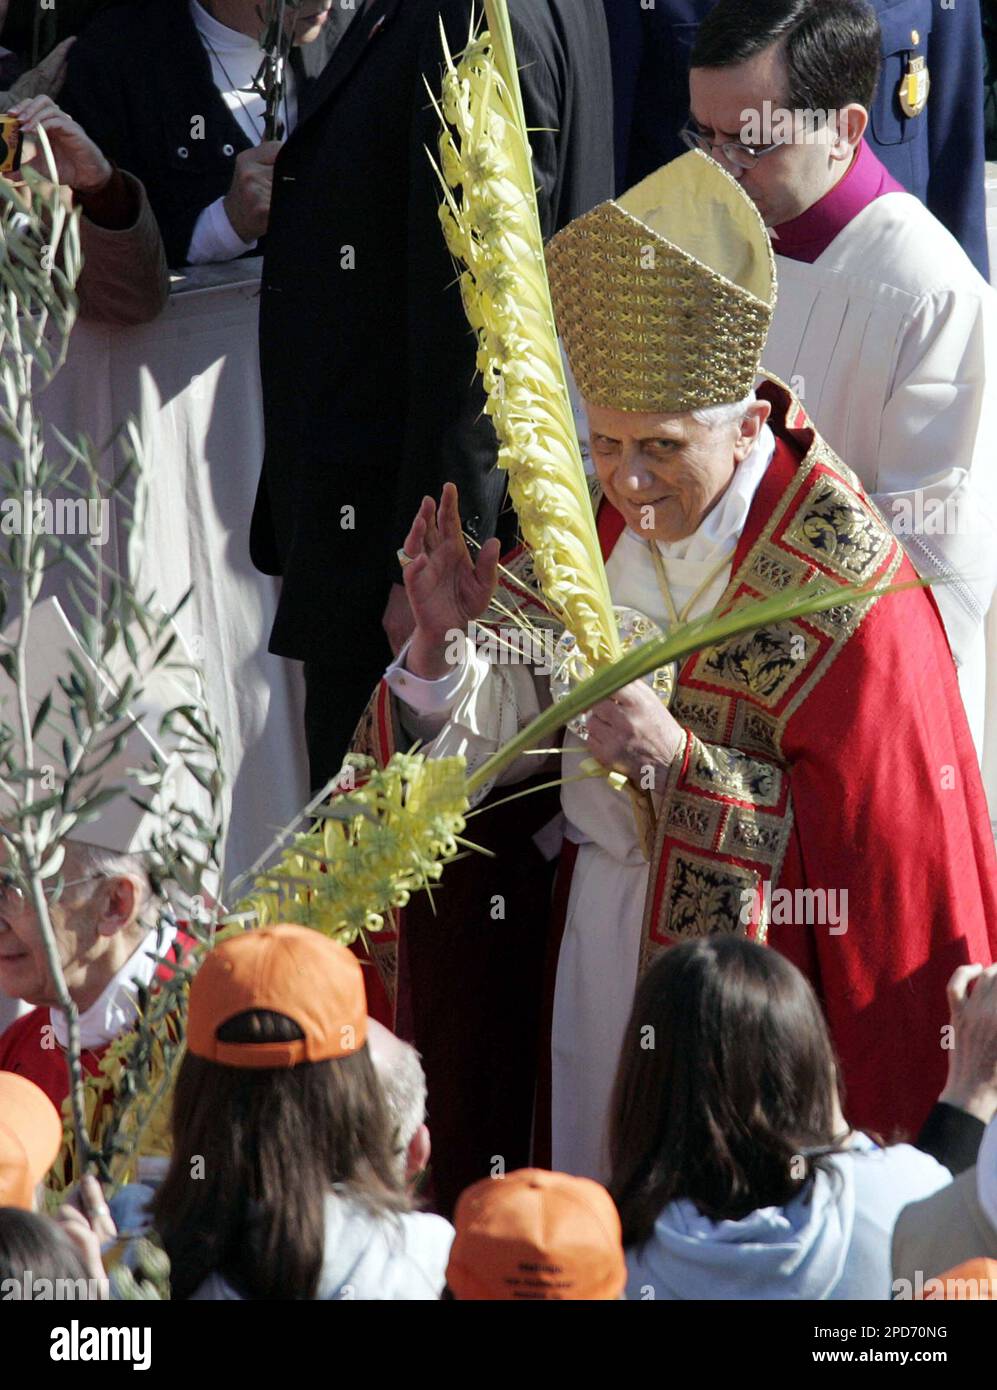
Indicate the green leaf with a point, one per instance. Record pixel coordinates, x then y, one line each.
41 714
693 637
87 808
208 780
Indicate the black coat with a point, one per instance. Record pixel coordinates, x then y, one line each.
368 363
138 80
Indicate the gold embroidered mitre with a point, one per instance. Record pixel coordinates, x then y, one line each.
664 297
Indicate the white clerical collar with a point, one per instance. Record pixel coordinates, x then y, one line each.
721 529
220 36
115 1009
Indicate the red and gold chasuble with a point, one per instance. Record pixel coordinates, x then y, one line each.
827 760
29 1048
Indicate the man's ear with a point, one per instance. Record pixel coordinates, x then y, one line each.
417 1158
750 428
853 121
119 903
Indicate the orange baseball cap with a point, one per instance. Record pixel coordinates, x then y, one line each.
537 1235
289 970
30 1139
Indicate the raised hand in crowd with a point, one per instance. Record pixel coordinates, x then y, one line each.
972 1058
247 203
86 1220
78 161
446 588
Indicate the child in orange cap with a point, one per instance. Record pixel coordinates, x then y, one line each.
534 1236
30 1139
284 1180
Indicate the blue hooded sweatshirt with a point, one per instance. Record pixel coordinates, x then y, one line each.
832 1241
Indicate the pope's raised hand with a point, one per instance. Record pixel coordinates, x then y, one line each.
447 589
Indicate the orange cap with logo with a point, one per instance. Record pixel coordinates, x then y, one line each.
30 1139
290 970
536 1235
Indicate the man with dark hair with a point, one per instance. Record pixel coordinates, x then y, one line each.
883 326
803 57
933 145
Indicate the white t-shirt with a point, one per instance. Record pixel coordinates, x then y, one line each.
370 1257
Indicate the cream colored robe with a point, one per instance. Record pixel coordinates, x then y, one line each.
480 706
888 339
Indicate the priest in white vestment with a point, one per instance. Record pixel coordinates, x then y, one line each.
883 328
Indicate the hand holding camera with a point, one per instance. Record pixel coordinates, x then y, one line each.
78 161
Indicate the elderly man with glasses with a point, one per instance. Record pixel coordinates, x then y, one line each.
884 329
114 933
104 922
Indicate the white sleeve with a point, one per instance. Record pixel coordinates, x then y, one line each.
471 711
936 480
425 706
214 238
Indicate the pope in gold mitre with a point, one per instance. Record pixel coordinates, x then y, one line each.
797 773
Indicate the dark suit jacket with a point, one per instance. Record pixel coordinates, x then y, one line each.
137 80
368 363
938 155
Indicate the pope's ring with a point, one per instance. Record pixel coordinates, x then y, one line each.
404 559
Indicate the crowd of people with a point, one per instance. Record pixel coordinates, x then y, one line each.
299 1140
657 1080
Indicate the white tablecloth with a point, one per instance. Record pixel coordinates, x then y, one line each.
191 382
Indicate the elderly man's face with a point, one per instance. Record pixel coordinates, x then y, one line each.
666 473
86 919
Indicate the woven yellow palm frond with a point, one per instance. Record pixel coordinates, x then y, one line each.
127 1104
492 225
375 847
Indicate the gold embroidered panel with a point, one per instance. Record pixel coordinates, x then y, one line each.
837 533
729 772
765 664
744 691
726 818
